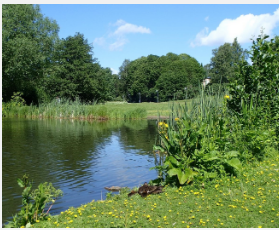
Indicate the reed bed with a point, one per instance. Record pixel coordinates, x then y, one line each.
66 109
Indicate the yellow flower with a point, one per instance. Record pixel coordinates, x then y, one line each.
160 123
259 226
166 125
227 97
37 221
176 119
22 227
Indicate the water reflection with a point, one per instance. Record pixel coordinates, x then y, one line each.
78 157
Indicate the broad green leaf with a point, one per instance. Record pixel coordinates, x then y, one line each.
174 161
213 155
174 171
235 163
232 154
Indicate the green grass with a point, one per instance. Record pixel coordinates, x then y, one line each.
249 200
152 108
77 110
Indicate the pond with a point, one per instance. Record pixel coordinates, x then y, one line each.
78 157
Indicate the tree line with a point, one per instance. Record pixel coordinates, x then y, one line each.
40 65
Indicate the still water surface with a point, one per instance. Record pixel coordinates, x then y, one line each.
78 157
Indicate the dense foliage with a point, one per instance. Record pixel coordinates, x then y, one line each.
222 64
216 136
42 67
28 41
257 85
168 75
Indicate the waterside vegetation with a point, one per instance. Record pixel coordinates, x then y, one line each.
249 200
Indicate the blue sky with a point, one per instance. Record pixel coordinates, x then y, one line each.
122 31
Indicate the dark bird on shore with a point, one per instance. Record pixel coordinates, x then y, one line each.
147 189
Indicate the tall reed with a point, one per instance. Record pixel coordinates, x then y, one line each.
66 109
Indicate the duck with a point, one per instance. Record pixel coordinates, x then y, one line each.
146 189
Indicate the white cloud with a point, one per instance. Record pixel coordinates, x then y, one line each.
130 28
206 18
244 28
117 39
99 41
120 42
114 71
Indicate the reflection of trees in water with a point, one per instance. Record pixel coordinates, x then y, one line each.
138 135
60 151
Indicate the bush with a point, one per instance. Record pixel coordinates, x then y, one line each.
258 83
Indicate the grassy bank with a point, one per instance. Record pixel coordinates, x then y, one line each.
77 110
249 200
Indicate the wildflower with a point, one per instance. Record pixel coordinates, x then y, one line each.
37 221
22 227
227 97
166 125
259 226
75 216
176 119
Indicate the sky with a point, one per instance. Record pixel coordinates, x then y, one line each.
121 31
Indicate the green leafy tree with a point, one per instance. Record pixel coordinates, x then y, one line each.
77 74
28 39
222 64
169 74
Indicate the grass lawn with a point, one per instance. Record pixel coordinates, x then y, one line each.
152 108
249 200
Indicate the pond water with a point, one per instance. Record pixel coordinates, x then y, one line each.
78 157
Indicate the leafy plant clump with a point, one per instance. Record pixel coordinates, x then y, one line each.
257 85
34 203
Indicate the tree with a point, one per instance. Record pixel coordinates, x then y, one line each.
169 73
28 39
77 73
222 64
